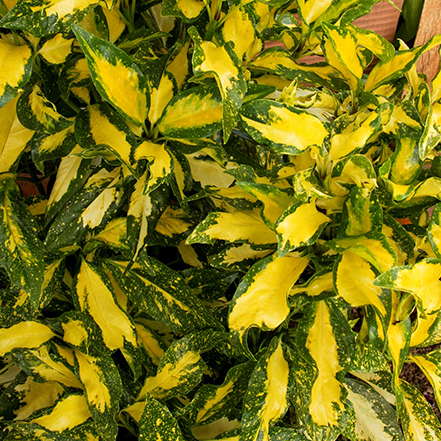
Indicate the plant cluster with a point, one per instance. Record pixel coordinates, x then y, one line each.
231 240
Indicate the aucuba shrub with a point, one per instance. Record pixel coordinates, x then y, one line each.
231 240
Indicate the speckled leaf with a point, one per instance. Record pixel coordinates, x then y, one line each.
213 402
325 341
70 177
161 95
90 208
421 280
13 136
239 226
26 334
69 412
238 256
354 281
103 388
285 129
267 397
274 200
261 298
36 112
42 18
300 225
74 74
379 379
376 418
117 79
357 133
372 247
193 113
222 63
181 367
150 341
434 230
48 366
46 147
21 251
16 67
187 10
417 417
163 295
158 423
432 131
426 331
95 297
57 49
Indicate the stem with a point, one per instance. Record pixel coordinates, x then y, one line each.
132 10
3 9
72 105
125 20
36 180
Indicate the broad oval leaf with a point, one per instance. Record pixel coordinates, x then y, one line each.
193 113
15 67
261 299
118 80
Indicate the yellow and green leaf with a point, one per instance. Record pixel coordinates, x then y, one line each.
116 77
261 298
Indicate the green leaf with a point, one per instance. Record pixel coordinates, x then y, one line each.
261 297
434 230
267 397
36 112
16 65
376 418
222 63
157 421
193 113
286 129
95 297
26 334
117 79
21 251
181 367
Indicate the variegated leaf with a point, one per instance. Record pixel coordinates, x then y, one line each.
354 281
261 297
69 412
426 331
150 341
160 96
26 334
421 280
21 251
325 340
286 129
267 397
36 112
16 66
181 367
103 388
239 226
48 366
157 422
222 63
162 294
299 225
376 418
193 113
434 230
187 10
74 75
417 417
118 80
57 49
13 136
96 298
214 402
90 208
238 256
99 127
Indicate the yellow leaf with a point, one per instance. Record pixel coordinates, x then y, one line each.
26 334
57 49
354 282
68 413
97 300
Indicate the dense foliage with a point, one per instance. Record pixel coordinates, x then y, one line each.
228 242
